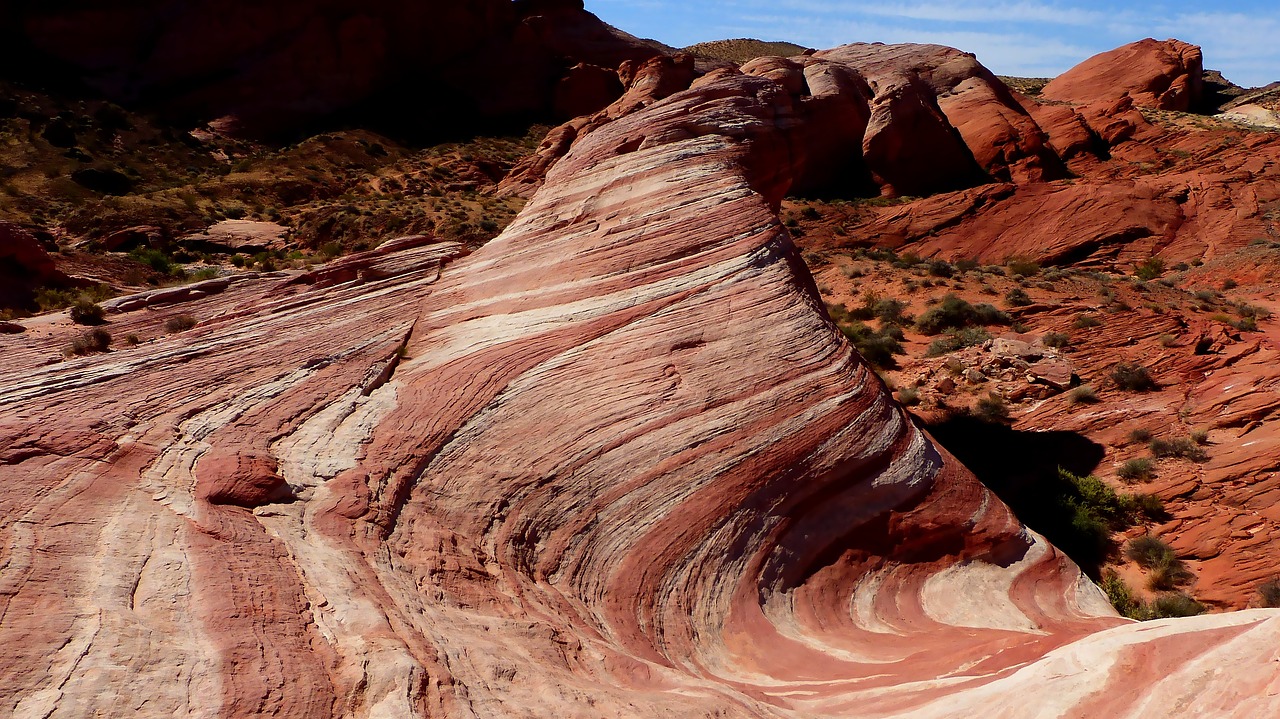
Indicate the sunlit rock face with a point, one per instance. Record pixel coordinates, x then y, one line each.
617 462
1166 75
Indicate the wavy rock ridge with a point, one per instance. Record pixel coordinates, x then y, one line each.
615 463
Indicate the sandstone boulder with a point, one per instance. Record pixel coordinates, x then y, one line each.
1166 75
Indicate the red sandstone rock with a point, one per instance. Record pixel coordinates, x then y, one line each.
617 462
24 266
585 90
935 120
240 478
1165 75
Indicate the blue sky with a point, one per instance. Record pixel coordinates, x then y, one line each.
1017 37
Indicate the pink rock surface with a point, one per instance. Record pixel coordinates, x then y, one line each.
617 462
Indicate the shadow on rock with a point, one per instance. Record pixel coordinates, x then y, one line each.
1023 469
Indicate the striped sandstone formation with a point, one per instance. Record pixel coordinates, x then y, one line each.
617 462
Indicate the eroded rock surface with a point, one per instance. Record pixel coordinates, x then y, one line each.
617 462
1166 75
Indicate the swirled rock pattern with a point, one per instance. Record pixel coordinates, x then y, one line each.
617 462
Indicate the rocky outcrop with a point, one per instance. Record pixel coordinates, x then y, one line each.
25 265
891 119
616 462
1166 75
277 67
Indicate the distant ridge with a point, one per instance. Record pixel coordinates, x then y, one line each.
741 50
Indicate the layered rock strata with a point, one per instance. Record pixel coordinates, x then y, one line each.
617 462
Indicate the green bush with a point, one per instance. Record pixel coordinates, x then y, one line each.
1149 551
1017 297
957 339
1140 435
87 312
97 340
1084 322
49 299
1132 377
153 258
1173 604
1056 340
1184 447
179 323
992 408
1140 469
1022 267
1119 594
941 268
954 312
878 348
1154 555
1150 268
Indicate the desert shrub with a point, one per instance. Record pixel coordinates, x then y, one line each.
1153 554
1183 447
1140 435
966 265
1119 594
86 312
1056 340
179 323
1269 593
1252 311
1151 507
1167 340
1150 268
957 339
1140 469
1206 296
1149 551
97 340
237 260
1245 324
907 261
941 268
992 408
1229 284
1022 267
132 339
909 396
878 348
954 312
1169 574
1084 394
1017 297
49 299
153 258
811 213
1083 322
891 311
1133 377
1200 436
1173 604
